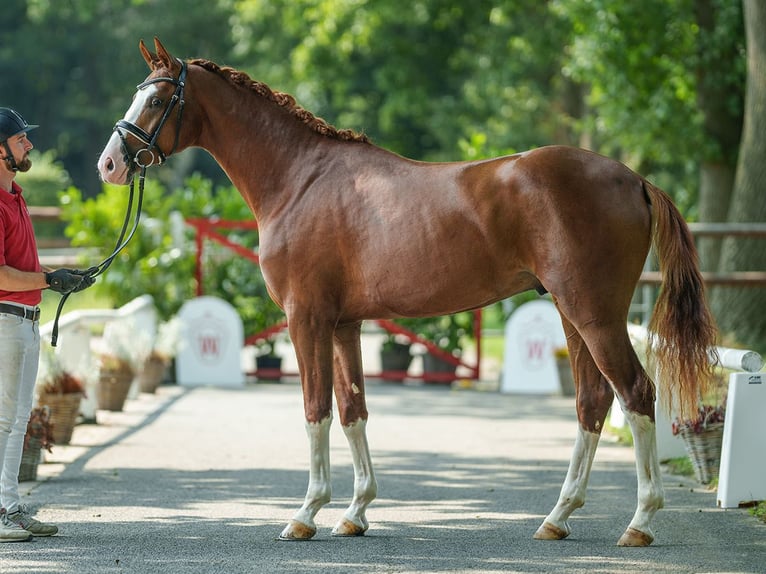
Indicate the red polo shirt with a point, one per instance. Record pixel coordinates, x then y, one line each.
18 248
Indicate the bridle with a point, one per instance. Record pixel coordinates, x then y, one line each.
150 140
133 160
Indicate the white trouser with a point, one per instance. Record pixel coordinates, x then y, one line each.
19 360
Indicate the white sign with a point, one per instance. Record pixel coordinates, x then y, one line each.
742 474
212 338
532 334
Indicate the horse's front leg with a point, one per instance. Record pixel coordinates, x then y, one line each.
313 349
349 393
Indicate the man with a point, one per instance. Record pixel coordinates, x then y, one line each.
22 280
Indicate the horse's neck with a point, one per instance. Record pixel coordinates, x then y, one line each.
260 146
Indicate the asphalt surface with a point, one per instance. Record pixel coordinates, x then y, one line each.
203 480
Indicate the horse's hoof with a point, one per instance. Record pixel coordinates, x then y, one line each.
633 537
347 528
548 531
297 531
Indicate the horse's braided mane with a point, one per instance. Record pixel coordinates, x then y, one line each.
281 99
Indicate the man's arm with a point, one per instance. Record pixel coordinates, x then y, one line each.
11 279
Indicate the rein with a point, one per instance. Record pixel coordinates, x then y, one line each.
150 140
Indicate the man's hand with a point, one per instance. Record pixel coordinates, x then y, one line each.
87 280
65 280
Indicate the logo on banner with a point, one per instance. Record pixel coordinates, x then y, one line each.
210 339
537 343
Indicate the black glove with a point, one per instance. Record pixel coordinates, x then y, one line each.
86 282
64 280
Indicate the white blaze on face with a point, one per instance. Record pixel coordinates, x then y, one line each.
111 163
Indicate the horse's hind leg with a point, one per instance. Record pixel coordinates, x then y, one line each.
349 393
615 358
594 396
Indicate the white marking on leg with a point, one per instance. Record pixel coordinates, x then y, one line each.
320 488
365 485
651 496
573 490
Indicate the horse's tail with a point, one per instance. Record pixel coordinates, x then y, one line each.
682 329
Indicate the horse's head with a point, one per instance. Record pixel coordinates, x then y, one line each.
151 128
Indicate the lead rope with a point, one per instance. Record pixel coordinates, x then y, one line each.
96 270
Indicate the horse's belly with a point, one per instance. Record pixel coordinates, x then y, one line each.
428 287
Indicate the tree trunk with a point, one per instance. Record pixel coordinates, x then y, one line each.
740 311
722 122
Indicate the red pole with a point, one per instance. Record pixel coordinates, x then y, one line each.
200 241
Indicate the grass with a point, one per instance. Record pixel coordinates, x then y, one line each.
88 299
622 434
681 466
759 511
493 346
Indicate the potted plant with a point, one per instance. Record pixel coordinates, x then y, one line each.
164 350
395 357
702 435
39 436
447 333
564 368
261 316
123 351
62 393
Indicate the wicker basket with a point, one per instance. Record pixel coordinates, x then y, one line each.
151 375
64 410
704 450
112 390
30 459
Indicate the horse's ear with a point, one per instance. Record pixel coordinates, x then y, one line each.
148 56
163 55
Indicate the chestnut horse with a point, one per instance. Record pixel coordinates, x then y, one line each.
350 231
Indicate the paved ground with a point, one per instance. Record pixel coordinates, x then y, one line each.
203 481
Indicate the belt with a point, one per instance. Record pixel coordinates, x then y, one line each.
31 314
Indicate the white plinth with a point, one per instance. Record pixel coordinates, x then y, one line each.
212 338
532 333
742 474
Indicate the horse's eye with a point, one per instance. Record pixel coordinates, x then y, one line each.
156 102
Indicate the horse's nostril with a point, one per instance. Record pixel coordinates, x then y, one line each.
109 164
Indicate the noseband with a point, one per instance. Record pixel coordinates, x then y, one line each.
150 140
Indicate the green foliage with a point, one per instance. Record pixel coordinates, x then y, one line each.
759 511
157 261
681 466
622 434
447 332
160 260
42 184
46 179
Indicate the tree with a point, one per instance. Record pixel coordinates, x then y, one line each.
739 311
74 65
635 63
720 73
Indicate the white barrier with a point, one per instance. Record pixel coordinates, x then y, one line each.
742 474
74 345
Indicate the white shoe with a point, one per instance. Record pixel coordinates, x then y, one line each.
11 532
